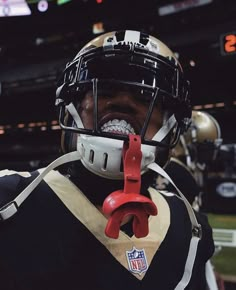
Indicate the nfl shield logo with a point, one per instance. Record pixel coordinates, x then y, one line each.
137 261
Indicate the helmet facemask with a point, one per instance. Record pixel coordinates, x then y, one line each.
99 78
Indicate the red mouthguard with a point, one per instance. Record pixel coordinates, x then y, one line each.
129 201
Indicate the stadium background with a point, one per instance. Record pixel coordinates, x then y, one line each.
34 48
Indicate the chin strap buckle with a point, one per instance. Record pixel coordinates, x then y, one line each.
129 201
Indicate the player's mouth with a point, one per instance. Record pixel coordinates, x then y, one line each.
118 127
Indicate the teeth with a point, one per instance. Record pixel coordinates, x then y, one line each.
118 126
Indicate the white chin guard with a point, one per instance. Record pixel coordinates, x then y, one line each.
103 156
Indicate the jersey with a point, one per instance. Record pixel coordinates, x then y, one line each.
56 241
182 177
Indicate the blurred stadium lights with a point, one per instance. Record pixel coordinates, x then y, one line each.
30 127
180 6
43 5
23 7
14 8
98 28
61 2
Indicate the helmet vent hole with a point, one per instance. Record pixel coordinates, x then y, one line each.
91 156
105 158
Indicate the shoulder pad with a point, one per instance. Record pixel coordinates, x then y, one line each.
12 183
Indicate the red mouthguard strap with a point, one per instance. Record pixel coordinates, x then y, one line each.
129 201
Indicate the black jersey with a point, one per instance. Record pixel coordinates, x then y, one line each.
182 177
56 241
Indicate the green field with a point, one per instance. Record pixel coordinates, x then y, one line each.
225 260
222 221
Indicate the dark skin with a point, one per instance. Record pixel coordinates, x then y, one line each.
122 105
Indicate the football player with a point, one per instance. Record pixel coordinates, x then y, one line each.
191 158
123 102
188 167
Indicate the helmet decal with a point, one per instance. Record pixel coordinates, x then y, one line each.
133 38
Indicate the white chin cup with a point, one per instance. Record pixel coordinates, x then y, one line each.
103 156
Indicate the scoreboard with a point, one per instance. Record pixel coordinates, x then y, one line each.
228 43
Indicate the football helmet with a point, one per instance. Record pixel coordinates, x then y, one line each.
200 143
117 61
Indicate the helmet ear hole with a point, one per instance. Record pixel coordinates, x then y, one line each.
68 138
68 141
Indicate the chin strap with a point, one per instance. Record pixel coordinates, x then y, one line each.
196 227
129 201
196 232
